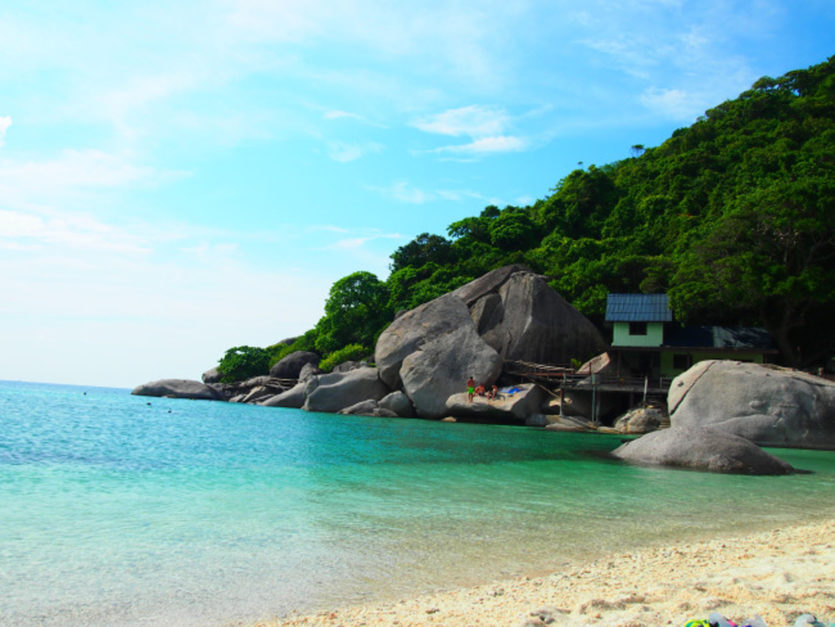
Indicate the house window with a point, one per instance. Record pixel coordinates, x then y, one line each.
637 328
682 362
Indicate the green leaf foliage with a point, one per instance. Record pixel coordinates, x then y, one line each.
356 311
733 217
352 352
243 362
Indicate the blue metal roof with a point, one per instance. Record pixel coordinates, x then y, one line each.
638 308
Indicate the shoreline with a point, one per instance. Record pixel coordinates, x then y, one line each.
778 574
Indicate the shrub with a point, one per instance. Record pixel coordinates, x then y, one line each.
353 352
243 362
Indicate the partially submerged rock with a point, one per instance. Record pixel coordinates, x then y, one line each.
368 408
701 448
640 420
335 391
768 405
178 388
398 403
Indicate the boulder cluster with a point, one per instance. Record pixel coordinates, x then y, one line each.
425 356
718 412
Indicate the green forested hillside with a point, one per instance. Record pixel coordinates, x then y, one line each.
733 216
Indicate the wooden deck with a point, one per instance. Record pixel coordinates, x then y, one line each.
566 378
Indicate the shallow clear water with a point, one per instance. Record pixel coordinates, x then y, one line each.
130 510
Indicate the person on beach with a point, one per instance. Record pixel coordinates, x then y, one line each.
480 390
493 393
470 388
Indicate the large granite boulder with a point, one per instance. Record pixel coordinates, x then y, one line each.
294 397
507 314
766 404
398 403
409 332
537 324
441 367
335 391
518 406
212 375
702 448
290 366
178 388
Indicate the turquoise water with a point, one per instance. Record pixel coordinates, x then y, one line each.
116 509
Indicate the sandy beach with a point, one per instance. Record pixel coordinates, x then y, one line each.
777 574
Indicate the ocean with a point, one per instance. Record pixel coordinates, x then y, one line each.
118 509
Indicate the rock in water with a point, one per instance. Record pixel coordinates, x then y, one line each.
766 404
336 391
701 448
178 388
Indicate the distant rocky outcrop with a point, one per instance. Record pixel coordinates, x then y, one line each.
700 448
290 366
178 388
766 404
212 375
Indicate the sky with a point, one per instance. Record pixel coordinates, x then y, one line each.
180 178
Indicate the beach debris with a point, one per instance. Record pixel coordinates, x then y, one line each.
808 620
717 620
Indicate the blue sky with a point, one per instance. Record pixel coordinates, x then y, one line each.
177 181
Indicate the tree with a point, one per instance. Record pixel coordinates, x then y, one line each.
423 249
243 362
356 312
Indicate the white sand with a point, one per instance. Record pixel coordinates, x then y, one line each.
778 574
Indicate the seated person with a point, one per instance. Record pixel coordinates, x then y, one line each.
480 390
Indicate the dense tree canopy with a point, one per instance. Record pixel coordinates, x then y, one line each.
733 216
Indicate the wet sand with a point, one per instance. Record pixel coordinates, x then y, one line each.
778 574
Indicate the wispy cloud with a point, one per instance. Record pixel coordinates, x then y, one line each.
671 103
5 123
487 145
473 120
344 152
401 191
25 230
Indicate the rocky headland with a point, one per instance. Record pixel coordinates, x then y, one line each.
720 411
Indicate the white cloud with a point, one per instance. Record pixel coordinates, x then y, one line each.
474 120
487 145
345 152
5 123
675 104
401 191
19 230
338 115
352 243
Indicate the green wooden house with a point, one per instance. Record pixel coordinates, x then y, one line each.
646 341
